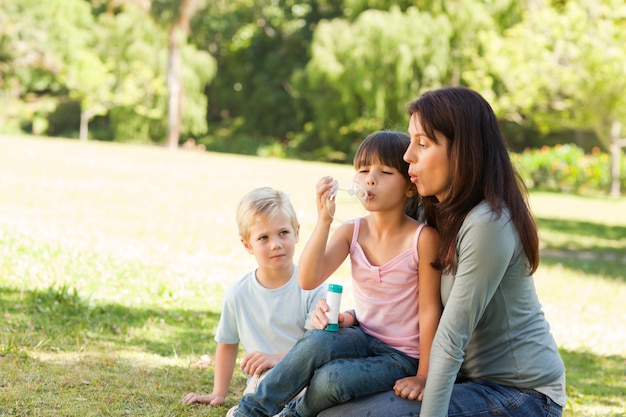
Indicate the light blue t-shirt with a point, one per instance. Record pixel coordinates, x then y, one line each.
266 320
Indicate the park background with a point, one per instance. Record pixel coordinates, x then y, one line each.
117 231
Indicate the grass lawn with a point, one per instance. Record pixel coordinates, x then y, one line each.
114 259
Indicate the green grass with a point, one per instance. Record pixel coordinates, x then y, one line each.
114 259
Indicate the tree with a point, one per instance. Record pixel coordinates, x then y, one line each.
90 82
50 51
562 69
179 31
176 15
362 74
258 45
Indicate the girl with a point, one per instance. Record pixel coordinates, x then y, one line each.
493 354
380 342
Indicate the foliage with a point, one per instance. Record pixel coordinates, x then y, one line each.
362 74
258 45
44 46
310 78
566 168
113 64
559 68
136 52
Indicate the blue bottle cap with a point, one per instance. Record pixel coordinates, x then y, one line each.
332 327
335 288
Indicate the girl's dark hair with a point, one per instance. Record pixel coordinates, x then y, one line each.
480 169
388 148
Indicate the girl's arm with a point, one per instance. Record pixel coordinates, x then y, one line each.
321 257
430 309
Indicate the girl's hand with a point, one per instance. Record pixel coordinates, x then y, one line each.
319 319
325 206
211 399
257 362
411 388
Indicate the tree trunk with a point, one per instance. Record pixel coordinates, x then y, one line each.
176 94
616 156
174 89
83 133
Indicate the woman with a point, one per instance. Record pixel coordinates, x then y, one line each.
493 353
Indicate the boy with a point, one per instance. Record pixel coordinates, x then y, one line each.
266 310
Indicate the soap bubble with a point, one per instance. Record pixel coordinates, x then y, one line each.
347 201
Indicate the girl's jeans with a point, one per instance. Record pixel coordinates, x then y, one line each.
469 398
336 366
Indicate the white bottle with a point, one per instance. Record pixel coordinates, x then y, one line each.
333 299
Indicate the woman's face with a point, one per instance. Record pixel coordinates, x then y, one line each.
429 164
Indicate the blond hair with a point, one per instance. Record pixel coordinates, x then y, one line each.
260 204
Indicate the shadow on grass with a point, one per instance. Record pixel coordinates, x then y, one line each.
583 228
595 379
58 318
97 385
577 253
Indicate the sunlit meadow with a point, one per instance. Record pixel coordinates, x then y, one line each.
114 259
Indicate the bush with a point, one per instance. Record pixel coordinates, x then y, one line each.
566 168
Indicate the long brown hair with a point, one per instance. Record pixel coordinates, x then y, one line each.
480 169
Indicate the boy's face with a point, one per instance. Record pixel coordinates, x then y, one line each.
272 242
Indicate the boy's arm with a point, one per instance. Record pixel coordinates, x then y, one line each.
430 309
225 358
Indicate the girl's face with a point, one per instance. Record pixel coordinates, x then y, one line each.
386 187
429 164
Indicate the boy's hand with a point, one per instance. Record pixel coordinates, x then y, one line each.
411 388
257 362
211 399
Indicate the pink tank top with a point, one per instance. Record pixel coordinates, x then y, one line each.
386 296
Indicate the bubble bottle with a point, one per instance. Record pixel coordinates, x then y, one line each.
333 299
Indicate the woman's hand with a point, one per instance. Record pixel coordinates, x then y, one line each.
411 388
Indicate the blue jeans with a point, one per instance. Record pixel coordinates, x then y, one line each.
469 398
334 366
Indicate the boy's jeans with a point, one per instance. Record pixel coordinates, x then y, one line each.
336 367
